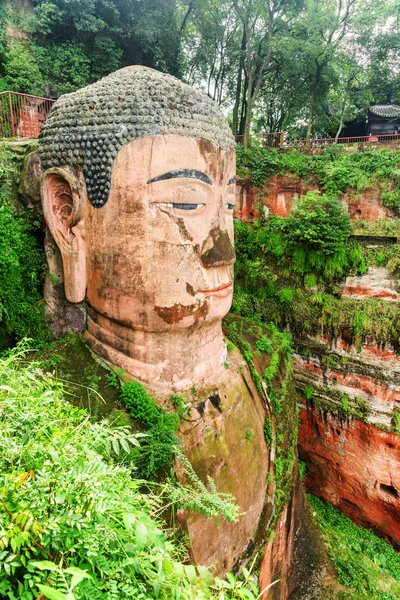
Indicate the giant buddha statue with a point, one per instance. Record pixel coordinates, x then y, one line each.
138 194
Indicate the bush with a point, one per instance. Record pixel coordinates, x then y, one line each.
363 560
157 452
138 402
21 265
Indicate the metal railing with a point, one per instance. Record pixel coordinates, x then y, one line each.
362 139
269 140
22 115
277 140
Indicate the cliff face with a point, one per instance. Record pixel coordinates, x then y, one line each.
349 381
354 466
277 195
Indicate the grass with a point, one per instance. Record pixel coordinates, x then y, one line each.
367 566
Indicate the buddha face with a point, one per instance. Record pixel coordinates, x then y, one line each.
159 254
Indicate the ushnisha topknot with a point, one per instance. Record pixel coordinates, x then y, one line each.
88 128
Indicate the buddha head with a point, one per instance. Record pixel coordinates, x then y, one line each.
138 194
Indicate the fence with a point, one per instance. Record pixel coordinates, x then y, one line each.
22 115
269 140
277 140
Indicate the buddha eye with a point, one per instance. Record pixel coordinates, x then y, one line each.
180 206
230 206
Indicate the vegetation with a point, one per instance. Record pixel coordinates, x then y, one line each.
158 449
21 263
74 523
276 387
333 170
302 67
366 565
288 269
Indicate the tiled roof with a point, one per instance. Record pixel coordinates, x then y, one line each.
385 110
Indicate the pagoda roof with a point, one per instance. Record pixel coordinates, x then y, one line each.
388 111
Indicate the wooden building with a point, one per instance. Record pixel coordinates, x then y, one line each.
381 119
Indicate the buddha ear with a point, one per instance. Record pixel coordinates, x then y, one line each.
64 196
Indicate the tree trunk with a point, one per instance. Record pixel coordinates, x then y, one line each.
311 117
235 120
339 129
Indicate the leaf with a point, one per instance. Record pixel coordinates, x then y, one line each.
125 445
77 576
157 537
204 574
44 565
141 535
115 445
191 574
129 520
51 593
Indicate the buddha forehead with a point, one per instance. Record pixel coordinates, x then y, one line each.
88 128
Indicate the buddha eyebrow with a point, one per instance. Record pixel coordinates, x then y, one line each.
187 173
233 180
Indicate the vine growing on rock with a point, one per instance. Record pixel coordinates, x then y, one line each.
275 385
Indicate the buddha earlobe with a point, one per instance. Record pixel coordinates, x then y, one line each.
63 194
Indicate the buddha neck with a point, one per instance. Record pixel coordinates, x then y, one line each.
164 361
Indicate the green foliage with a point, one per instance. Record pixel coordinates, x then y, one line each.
180 405
364 562
139 403
333 170
248 435
268 431
302 469
21 265
310 247
67 45
308 392
284 277
157 451
281 428
396 420
74 524
21 70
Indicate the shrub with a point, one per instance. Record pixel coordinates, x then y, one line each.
362 559
157 452
138 402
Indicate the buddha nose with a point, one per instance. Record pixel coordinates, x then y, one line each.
217 250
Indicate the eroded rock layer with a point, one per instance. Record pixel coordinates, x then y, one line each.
354 466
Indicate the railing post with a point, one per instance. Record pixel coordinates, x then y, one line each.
11 115
282 138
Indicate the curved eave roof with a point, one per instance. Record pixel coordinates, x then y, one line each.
388 111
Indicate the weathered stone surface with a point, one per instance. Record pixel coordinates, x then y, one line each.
215 443
354 466
29 187
275 198
62 316
294 564
376 283
277 195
